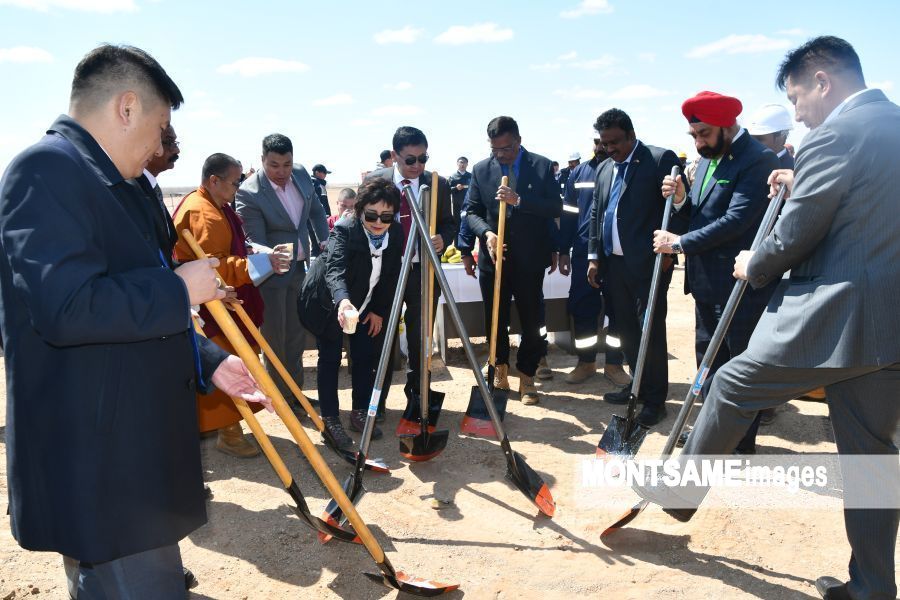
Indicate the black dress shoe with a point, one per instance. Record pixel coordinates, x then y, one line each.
832 589
620 397
651 415
190 582
207 492
665 498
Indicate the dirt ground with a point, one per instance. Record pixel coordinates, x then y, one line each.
488 537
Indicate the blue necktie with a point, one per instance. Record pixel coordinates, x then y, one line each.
610 214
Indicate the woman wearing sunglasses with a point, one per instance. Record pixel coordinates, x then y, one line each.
357 272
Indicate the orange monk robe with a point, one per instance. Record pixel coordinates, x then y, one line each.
199 214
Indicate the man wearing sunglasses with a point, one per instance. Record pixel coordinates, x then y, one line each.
410 153
532 202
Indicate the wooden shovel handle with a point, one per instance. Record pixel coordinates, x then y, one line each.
251 360
498 274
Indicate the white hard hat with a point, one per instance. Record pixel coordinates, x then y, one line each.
770 118
575 156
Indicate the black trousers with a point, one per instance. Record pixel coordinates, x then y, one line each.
627 293
525 283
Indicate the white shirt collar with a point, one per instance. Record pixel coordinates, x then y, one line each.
837 109
150 178
398 177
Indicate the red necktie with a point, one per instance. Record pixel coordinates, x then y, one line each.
405 213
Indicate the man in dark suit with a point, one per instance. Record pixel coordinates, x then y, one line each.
770 126
532 201
101 361
459 185
276 203
626 210
719 219
410 153
833 322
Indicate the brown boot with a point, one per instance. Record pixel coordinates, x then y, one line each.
543 370
616 375
501 377
527 392
582 372
231 441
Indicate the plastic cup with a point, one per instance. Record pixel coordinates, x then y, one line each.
351 318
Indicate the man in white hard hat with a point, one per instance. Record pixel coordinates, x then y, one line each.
770 126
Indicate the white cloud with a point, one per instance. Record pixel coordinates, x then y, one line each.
638 92
25 54
882 85
399 86
647 57
397 110
201 114
739 44
257 65
579 93
364 122
480 33
407 35
587 7
101 6
568 56
335 100
797 32
592 64
545 67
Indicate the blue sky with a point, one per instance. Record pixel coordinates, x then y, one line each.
339 77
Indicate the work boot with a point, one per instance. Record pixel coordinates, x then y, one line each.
358 421
582 372
616 375
501 377
231 441
343 441
527 392
543 369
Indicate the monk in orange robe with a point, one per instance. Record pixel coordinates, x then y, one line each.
207 214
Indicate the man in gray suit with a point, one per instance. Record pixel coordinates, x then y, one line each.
833 322
276 203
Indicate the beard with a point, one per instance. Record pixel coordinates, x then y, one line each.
714 151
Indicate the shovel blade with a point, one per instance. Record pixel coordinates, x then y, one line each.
531 484
417 586
333 515
618 441
412 416
323 528
422 447
627 517
478 421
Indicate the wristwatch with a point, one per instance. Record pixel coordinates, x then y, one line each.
676 248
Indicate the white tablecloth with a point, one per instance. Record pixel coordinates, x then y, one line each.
465 288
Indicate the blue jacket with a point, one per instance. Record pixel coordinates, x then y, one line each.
102 447
575 221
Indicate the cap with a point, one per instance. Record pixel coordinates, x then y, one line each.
712 108
682 154
575 156
321 168
770 118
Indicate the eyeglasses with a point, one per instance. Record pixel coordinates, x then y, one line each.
411 160
503 150
170 143
371 216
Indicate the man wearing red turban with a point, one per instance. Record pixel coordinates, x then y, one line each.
716 221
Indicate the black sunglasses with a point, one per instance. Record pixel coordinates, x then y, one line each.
411 160
371 216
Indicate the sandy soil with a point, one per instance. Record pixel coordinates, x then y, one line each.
489 538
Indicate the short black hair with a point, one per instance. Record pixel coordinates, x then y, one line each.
218 164
462 158
408 136
277 143
108 69
500 125
614 117
554 164
375 190
385 154
826 52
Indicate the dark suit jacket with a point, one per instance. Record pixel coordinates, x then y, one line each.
102 446
152 213
785 161
640 209
528 233
724 220
446 225
343 271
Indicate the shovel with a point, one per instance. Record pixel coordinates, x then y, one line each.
377 465
478 419
709 356
624 435
389 576
518 472
301 508
426 443
353 484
